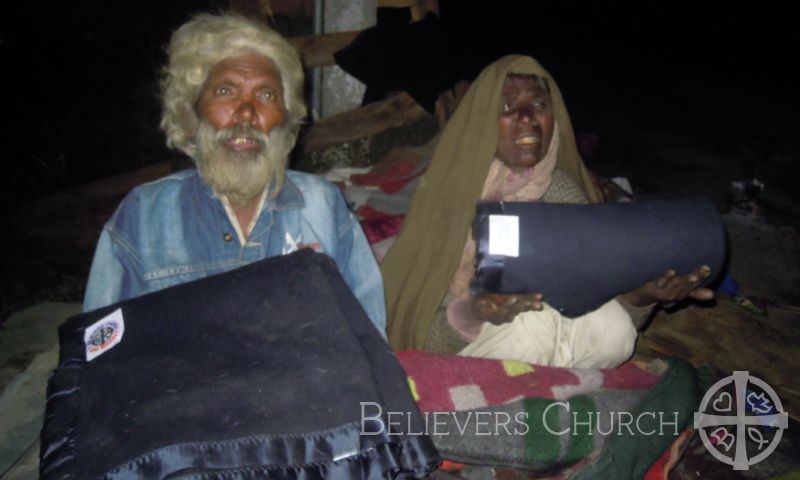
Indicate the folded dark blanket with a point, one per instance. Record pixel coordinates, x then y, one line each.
581 256
261 372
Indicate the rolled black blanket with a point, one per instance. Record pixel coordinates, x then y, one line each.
581 256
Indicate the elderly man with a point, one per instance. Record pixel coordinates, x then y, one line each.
232 94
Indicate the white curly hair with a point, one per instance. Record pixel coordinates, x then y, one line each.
203 42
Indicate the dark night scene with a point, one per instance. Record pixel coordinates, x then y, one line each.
400 239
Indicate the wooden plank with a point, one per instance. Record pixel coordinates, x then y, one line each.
74 217
318 50
723 337
396 111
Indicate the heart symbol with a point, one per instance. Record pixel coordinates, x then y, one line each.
724 398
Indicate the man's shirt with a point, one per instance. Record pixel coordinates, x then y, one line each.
175 230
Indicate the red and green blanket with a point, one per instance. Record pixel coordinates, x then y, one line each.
574 423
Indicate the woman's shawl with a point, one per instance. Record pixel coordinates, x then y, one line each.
419 267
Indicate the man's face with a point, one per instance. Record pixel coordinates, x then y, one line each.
243 91
526 122
243 142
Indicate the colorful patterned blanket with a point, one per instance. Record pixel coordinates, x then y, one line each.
570 423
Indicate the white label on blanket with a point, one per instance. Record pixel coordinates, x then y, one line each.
504 235
103 334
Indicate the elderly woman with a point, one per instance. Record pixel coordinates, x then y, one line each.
510 139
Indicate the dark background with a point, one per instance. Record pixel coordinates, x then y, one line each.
81 86
80 78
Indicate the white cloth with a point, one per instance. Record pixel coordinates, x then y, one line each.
603 338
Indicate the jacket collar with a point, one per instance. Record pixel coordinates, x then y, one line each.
289 198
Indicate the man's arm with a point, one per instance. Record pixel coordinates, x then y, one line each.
111 278
358 266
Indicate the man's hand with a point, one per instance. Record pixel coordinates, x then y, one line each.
671 288
498 309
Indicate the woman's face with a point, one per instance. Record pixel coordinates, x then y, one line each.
526 122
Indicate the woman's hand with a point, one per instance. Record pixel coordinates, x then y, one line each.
671 288
498 309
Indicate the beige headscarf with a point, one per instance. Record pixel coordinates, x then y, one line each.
418 269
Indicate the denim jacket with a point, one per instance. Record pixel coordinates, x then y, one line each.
175 230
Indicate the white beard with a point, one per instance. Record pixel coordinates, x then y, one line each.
242 175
